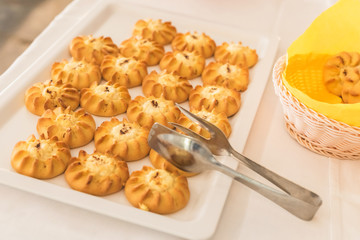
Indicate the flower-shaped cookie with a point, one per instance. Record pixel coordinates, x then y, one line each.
155 30
201 43
236 53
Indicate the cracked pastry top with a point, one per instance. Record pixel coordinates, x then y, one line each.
155 30
96 173
186 64
201 43
128 72
167 85
76 129
236 53
157 190
126 139
40 158
49 95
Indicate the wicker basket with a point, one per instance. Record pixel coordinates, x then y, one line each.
312 129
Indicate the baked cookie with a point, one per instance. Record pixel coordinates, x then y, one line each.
351 85
236 53
40 158
142 49
79 74
231 76
76 129
216 98
105 100
161 163
201 43
187 64
50 95
91 49
125 139
157 190
219 119
167 85
148 110
128 72
97 174
155 30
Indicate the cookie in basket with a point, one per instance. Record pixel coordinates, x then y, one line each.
49 95
218 98
142 49
126 139
167 85
157 190
201 43
40 158
148 110
155 30
97 174
92 49
128 72
225 74
80 74
76 129
105 99
187 64
236 53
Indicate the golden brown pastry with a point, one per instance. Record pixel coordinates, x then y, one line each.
142 49
167 85
148 110
91 49
161 163
201 43
49 95
219 119
128 72
187 64
80 74
105 100
125 139
76 129
157 190
236 54
227 75
216 98
97 174
155 30
40 158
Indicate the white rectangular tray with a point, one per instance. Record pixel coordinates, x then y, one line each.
115 19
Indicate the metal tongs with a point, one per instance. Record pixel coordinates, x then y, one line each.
194 153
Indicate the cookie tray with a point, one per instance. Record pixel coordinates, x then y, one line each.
209 190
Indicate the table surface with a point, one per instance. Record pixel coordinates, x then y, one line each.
246 214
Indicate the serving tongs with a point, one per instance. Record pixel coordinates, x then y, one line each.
194 153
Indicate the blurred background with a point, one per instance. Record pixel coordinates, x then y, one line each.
20 22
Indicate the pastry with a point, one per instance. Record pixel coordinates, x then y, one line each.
142 49
216 98
219 119
91 49
157 190
201 43
186 64
50 95
125 139
167 85
97 174
227 75
236 54
161 163
76 129
40 158
128 72
79 74
155 30
148 110
105 100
